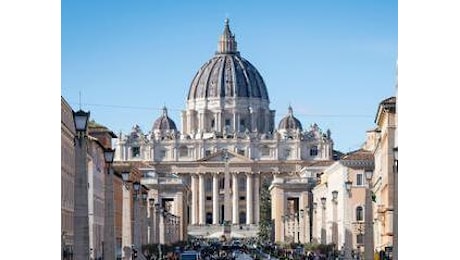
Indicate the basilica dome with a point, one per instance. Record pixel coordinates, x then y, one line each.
227 74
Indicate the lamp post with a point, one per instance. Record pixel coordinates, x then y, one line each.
109 221
348 237
368 229
136 233
395 204
335 238
81 220
323 221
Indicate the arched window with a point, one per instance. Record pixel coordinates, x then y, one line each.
359 213
314 151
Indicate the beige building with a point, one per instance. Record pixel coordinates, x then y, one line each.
382 141
341 220
228 144
67 178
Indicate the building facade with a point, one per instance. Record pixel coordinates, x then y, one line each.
96 196
228 143
67 178
382 141
340 219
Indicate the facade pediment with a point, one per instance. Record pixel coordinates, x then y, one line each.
219 156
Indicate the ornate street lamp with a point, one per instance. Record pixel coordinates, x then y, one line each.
348 186
81 220
109 226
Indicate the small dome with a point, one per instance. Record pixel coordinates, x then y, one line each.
164 122
290 121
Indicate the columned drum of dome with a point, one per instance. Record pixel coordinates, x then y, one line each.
227 94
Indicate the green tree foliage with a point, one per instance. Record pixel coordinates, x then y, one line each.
265 223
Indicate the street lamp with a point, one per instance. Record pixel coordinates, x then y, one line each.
136 233
323 221
109 226
368 230
81 220
348 236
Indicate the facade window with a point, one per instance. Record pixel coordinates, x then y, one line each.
136 151
265 151
213 123
208 198
163 154
207 153
208 217
227 122
359 213
359 179
242 197
183 151
222 183
242 183
240 151
242 125
288 153
314 151
360 239
208 184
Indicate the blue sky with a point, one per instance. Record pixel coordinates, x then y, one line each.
332 61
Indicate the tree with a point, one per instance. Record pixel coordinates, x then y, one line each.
265 223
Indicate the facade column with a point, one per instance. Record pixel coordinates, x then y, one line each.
315 223
219 122
202 198
215 199
249 199
152 221
235 124
235 210
227 208
194 206
257 198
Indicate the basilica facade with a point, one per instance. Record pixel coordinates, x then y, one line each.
211 170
